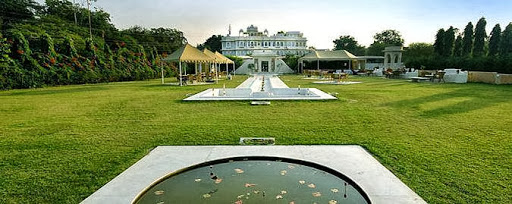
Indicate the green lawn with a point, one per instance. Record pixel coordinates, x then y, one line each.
450 143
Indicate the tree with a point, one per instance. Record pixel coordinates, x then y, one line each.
439 43
467 40
214 43
164 39
418 54
495 40
15 11
349 44
376 49
480 36
457 48
419 50
449 40
389 37
506 41
384 39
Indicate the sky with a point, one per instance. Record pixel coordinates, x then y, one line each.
321 21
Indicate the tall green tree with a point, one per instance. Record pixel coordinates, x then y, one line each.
389 37
439 43
384 39
506 41
213 43
419 50
376 49
418 54
457 48
449 40
495 40
349 44
467 40
480 36
16 11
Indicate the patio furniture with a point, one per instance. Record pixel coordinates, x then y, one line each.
439 76
184 79
420 79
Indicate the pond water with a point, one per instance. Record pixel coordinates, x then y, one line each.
254 180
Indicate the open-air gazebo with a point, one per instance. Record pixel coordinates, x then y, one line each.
188 54
337 55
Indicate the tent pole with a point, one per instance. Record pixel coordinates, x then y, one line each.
181 80
217 72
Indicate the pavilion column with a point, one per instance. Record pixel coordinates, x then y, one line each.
318 64
195 68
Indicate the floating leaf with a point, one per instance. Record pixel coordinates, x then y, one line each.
239 171
279 197
302 182
317 194
240 196
283 172
197 180
334 190
217 181
291 167
161 202
256 192
292 202
207 195
283 192
333 202
247 185
159 192
312 185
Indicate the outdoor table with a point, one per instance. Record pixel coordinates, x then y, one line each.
430 76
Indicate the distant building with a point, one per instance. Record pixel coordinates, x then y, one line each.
251 40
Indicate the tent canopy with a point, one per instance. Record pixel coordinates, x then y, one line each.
336 55
188 54
216 59
223 58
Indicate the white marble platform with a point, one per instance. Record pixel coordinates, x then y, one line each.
352 161
261 87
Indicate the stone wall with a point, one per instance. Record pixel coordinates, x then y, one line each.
505 79
483 77
490 77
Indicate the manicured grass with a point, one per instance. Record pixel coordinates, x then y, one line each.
450 143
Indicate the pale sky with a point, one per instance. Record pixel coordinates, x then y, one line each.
321 21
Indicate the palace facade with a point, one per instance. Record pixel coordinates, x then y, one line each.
251 40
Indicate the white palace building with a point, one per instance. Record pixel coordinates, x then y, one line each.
251 40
